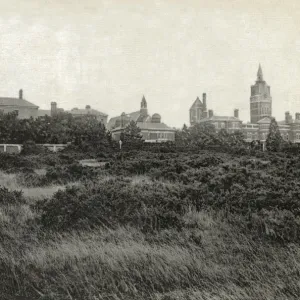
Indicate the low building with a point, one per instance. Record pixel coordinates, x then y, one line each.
23 108
152 129
76 112
229 123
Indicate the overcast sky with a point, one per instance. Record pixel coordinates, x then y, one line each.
109 53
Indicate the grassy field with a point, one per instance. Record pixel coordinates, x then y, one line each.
211 255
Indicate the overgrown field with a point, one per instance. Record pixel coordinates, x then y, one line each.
150 225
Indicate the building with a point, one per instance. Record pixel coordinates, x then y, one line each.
198 114
260 115
22 107
152 129
76 112
260 100
198 110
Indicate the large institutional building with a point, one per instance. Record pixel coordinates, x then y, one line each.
23 108
152 129
260 115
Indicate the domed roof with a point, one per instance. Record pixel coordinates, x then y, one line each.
156 115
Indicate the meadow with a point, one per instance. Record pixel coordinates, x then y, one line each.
160 225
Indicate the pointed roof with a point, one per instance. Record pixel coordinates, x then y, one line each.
265 120
196 103
260 76
143 102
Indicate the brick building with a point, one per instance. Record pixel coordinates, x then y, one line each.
152 129
260 116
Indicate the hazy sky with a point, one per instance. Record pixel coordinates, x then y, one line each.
109 53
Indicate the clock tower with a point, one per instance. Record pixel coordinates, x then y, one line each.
260 100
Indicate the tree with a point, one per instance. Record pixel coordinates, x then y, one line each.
182 137
274 140
132 135
203 134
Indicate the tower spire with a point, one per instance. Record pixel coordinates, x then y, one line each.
144 102
260 76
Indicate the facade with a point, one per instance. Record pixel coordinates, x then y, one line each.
198 110
199 114
152 129
260 100
260 116
22 107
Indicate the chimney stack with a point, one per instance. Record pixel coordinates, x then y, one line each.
53 108
236 113
297 116
287 117
210 113
20 94
204 100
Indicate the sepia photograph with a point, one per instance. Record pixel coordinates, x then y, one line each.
149 150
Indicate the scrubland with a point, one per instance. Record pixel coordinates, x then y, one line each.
150 225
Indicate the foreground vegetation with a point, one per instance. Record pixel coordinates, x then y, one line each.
150 224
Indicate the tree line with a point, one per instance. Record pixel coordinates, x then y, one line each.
65 128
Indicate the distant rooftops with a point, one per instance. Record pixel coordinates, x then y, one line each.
17 101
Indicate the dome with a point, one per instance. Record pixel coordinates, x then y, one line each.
156 118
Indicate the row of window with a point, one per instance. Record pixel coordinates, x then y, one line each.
161 135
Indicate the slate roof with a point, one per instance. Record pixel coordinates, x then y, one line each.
7 101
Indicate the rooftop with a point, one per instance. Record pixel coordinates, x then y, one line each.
7 101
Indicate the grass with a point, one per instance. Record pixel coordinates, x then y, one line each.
125 264
209 259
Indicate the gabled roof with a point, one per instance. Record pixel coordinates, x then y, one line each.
265 120
196 103
7 101
132 116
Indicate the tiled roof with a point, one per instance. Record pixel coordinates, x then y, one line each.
6 101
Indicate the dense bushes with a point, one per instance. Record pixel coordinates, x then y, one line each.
255 190
115 202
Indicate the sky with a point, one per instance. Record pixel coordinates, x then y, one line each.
108 54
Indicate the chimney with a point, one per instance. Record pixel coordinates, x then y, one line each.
20 94
210 113
204 101
236 113
53 108
287 117
297 116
